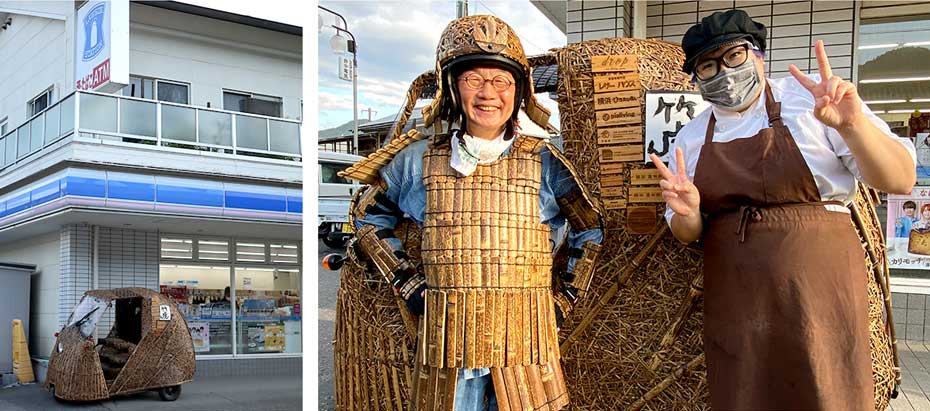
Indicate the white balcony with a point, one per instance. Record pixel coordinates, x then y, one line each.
174 128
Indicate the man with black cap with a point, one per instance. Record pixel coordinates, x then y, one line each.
487 190
762 178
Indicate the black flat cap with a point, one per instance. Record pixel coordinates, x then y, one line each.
718 29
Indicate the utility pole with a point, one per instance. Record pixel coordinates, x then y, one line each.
369 111
461 8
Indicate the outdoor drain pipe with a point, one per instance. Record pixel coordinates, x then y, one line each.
94 248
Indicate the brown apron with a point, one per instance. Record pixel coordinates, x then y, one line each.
785 293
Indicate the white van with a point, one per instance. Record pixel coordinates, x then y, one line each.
335 193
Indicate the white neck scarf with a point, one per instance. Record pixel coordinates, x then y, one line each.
470 151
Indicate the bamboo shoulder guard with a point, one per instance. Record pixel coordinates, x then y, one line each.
366 170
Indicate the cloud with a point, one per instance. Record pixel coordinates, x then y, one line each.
397 42
330 101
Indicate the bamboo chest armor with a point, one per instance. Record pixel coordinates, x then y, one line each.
487 261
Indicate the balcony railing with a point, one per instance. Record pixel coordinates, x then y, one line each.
135 120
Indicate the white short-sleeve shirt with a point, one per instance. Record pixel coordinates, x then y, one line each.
824 150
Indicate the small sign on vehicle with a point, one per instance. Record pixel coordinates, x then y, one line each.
164 313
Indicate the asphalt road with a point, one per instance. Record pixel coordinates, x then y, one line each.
329 284
266 393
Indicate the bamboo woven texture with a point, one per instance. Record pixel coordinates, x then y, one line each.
373 349
163 357
78 365
635 340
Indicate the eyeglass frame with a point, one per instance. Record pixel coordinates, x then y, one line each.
484 81
719 60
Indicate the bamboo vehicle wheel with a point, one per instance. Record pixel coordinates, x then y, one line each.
635 341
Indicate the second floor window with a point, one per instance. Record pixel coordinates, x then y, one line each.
41 102
252 103
161 90
4 126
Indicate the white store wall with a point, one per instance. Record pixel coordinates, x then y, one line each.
793 27
37 52
214 55
43 251
35 55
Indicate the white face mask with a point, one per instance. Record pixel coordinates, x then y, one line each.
733 88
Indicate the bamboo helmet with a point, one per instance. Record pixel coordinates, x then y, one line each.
487 40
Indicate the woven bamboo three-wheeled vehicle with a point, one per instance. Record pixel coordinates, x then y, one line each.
635 341
148 347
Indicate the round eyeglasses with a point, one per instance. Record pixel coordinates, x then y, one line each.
733 57
476 82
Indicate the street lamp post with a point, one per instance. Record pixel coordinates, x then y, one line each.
350 46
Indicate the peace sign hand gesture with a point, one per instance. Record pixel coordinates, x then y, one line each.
679 192
837 103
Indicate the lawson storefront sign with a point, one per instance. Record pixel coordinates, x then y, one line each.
102 46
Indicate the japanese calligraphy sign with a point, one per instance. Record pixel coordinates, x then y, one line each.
164 312
666 113
909 230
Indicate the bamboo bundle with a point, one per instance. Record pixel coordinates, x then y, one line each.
373 349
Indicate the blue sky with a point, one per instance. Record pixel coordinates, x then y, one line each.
397 41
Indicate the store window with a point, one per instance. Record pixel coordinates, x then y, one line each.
893 77
250 252
894 81
204 297
269 310
177 248
40 102
252 103
215 250
156 89
249 304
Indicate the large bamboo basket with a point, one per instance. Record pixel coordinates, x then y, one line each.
635 341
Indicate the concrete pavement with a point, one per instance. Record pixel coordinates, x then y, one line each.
267 393
329 285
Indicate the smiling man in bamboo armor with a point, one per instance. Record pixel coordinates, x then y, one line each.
487 190
762 177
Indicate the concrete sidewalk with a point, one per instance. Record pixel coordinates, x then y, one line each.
265 393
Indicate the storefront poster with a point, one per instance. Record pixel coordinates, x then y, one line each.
200 333
666 113
922 144
909 230
256 338
274 338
